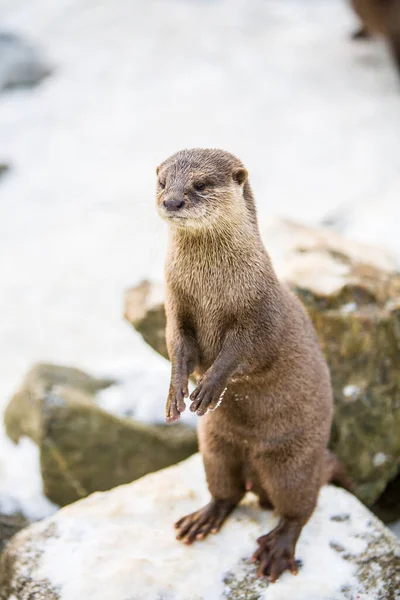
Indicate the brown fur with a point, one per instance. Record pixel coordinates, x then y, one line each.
380 17
236 326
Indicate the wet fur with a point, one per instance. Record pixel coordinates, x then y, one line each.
236 326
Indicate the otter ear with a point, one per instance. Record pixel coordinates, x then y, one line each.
240 175
157 170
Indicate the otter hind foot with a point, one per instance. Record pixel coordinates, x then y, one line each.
275 553
208 519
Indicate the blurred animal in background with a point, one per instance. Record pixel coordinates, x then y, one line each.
380 17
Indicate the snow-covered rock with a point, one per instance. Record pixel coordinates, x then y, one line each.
120 545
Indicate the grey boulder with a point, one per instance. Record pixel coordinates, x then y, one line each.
21 64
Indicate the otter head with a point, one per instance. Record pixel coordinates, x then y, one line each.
200 188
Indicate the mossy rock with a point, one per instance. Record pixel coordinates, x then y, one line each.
352 293
23 414
83 448
144 309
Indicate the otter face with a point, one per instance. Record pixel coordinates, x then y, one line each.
197 188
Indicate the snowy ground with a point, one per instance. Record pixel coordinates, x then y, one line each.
315 117
115 542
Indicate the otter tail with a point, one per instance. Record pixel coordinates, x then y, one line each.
335 472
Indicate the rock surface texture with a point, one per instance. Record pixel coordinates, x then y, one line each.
352 293
121 545
82 447
9 526
20 63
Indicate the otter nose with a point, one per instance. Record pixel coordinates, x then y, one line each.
173 204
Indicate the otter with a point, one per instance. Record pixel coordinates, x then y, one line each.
263 391
380 17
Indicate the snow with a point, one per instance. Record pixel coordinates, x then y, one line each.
20 481
121 544
140 392
395 528
313 115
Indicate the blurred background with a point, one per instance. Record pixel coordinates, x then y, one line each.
94 94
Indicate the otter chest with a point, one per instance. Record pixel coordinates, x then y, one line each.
210 318
209 307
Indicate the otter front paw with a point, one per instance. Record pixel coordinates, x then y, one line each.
206 396
176 402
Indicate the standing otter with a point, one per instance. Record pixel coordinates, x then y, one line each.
249 339
380 17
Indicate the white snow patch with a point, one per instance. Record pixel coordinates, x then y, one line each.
21 488
351 391
395 528
141 391
348 308
379 459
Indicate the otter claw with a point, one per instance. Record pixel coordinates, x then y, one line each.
206 396
175 403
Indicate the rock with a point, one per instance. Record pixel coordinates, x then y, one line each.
21 63
24 416
4 168
144 309
352 293
120 544
82 447
387 507
9 526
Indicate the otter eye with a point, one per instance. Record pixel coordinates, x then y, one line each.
161 184
199 186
